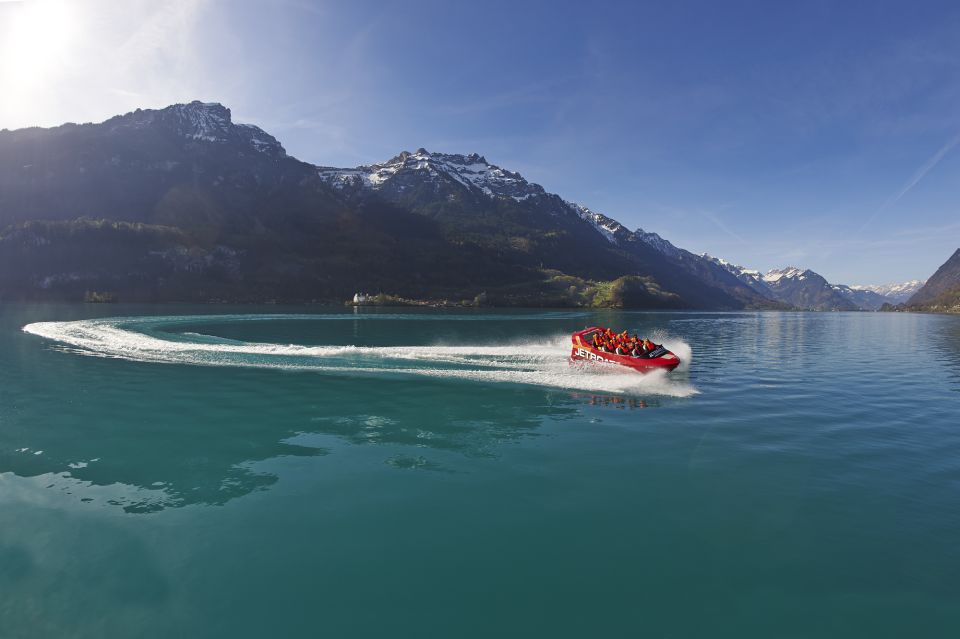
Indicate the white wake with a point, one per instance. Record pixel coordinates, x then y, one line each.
542 363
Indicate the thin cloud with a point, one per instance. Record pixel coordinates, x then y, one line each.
917 177
713 217
926 168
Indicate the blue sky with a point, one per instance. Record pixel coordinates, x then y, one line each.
816 134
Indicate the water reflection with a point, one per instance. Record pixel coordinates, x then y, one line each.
616 401
945 343
206 444
112 568
146 473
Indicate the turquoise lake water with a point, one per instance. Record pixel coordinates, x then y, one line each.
303 472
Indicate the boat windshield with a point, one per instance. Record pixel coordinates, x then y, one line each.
587 338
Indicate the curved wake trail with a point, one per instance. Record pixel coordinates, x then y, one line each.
544 363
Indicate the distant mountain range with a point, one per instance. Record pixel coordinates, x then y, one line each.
894 292
804 289
182 203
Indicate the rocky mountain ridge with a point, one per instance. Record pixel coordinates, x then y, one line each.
941 293
470 171
202 122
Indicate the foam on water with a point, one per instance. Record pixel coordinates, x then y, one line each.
545 362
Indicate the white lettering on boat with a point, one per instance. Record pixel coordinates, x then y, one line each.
585 354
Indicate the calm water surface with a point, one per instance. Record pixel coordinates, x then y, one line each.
304 472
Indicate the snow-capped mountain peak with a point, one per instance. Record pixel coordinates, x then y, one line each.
475 173
471 171
790 272
202 122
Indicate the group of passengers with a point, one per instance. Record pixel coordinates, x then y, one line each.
622 343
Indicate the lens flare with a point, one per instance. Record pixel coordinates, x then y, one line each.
35 40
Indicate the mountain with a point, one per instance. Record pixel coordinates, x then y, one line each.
749 277
798 288
143 166
806 290
942 291
183 203
895 292
862 299
417 177
482 202
708 270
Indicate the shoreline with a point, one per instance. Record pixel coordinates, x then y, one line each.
448 304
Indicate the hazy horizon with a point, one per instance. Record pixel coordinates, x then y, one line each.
819 137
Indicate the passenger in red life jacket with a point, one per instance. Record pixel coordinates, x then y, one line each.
601 344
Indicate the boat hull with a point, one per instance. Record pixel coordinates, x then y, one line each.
583 351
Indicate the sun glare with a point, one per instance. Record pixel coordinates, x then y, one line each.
36 40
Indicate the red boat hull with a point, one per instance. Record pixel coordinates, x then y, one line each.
583 350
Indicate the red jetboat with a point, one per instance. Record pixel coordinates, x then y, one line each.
659 358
